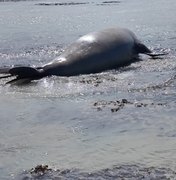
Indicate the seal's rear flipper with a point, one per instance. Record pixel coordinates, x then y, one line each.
5 70
23 74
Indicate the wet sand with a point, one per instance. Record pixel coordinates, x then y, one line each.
115 124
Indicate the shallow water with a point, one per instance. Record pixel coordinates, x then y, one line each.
76 122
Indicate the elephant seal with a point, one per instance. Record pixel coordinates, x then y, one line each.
92 53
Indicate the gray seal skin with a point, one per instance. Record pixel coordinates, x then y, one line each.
92 53
96 52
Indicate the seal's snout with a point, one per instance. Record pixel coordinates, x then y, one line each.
141 48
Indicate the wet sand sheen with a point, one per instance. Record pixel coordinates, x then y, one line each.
114 124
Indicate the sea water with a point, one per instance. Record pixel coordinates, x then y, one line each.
115 124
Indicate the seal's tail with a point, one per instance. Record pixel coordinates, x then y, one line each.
21 74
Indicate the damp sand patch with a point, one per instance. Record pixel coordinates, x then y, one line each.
62 4
108 3
115 106
77 3
138 172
